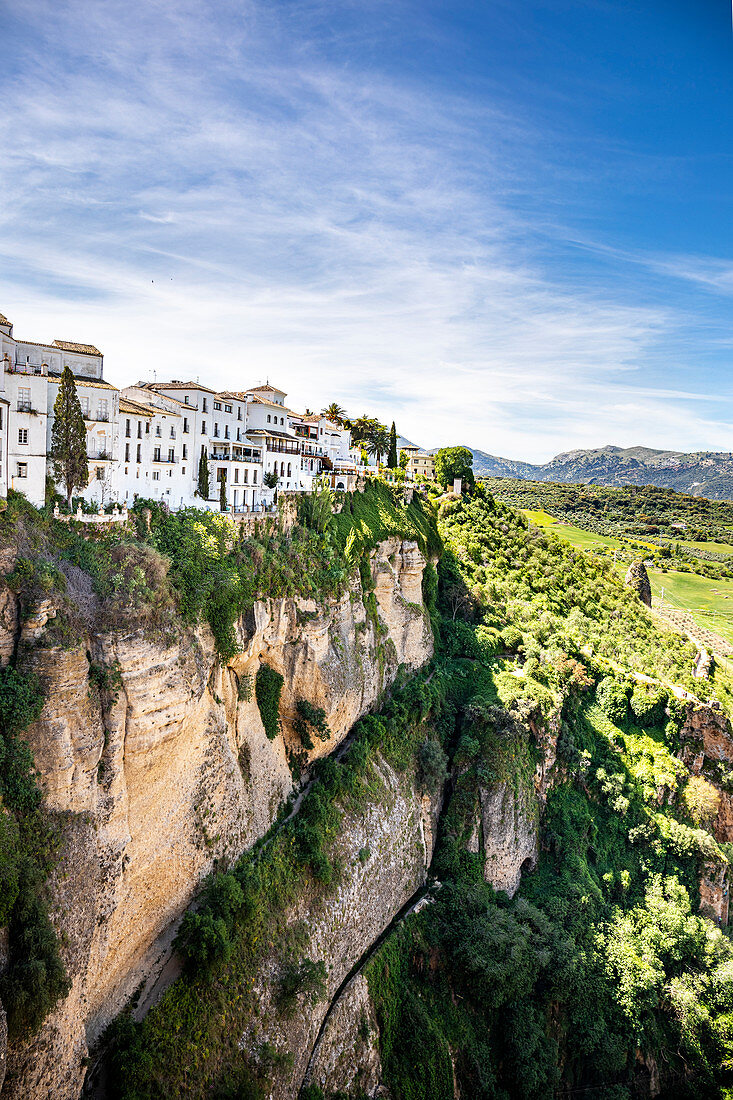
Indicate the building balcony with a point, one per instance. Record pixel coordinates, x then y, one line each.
284 448
99 456
165 461
24 407
100 418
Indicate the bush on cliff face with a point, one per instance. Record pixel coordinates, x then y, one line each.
35 978
268 686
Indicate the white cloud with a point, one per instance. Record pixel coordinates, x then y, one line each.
210 197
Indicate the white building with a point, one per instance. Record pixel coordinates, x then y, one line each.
147 441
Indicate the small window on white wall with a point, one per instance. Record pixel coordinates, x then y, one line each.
22 469
22 435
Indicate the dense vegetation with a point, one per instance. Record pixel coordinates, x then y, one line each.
599 972
35 978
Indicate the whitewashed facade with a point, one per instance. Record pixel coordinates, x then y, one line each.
146 441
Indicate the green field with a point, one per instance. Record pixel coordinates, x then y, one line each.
710 602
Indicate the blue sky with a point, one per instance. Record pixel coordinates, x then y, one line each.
499 223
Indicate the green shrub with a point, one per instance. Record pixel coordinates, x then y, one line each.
647 705
307 978
433 764
268 686
309 719
612 698
512 638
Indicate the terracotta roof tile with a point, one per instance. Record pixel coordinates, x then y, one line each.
83 349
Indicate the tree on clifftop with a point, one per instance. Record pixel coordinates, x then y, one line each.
202 488
68 452
392 454
453 462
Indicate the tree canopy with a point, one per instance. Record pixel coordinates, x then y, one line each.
453 462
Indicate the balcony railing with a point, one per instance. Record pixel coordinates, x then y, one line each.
24 407
100 418
284 448
99 456
167 461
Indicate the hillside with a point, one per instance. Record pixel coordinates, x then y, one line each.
701 473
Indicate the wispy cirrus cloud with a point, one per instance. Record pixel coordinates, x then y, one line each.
218 195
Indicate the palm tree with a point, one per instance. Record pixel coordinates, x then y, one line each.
334 412
378 443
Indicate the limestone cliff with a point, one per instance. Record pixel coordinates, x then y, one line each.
506 824
385 852
166 771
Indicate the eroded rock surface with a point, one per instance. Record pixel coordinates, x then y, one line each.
170 773
346 1058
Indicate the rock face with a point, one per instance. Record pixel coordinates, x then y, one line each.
398 833
506 830
346 1058
638 579
169 773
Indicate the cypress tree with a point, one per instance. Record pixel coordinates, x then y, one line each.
223 491
202 489
68 452
392 460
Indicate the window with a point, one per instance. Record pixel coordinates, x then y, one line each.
185 400
227 408
156 475
217 406
289 470
245 479
127 428
226 431
22 435
239 413
282 469
127 452
147 427
24 402
171 454
185 451
268 418
216 430
1 418
158 431
236 473
99 472
139 429
156 454
84 402
185 425
139 455
173 432
254 477
22 469
282 420
203 427
103 410
205 406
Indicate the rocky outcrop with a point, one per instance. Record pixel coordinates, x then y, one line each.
706 737
506 831
165 772
637 578
346 1058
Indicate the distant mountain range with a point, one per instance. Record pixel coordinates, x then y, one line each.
702 473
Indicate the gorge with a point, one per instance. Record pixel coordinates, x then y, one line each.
390 796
